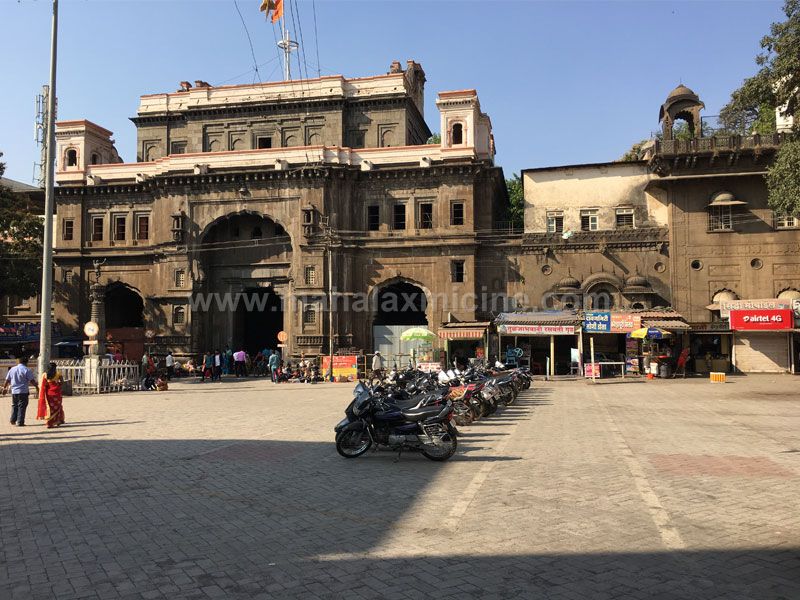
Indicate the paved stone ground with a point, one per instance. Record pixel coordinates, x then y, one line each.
665 489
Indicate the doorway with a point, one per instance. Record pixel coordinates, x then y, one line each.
259 318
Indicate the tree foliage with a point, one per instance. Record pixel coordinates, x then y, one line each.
783 179
775 85
436 139
21 235
777 82
516 201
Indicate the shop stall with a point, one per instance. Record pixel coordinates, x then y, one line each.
465 342
547 342
615 352
762 339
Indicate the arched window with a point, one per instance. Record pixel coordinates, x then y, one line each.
387 139
457 136
179 315
637 305
95 158
72 157
256 234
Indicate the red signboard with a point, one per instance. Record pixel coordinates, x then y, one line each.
778 319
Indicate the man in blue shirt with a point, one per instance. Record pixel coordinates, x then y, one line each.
19 378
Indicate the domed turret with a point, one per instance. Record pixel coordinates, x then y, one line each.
681 103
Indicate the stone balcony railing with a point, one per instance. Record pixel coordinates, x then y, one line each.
720 144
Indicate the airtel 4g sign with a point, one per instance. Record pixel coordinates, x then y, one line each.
779 319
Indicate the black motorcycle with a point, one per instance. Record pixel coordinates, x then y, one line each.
372 419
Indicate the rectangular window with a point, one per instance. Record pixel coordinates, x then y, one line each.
97 229
309 315
786 221
142 227
555 222
310 275
177 148
179 315
263 142
68 229
457 271
180 278
426 215
457 213
373 217
399 216
625 218
720 218
589 220
119 228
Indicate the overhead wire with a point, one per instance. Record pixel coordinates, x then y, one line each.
249 41
316 35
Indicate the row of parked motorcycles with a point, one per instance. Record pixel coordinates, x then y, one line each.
418 411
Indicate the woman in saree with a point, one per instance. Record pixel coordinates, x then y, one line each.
51 408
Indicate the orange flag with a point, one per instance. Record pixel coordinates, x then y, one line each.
277 12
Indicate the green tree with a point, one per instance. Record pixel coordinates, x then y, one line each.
21 235
635 152
777 82
436 138
783 179
516 202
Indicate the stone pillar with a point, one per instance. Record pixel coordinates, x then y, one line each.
98 315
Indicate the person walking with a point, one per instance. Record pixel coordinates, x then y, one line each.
19 379
169 361
377 366
239 359
274 363
217 372
51 407
208 366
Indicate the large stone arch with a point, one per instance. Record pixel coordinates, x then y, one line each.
383 333
244 261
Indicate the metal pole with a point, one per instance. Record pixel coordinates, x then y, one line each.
287 53
47 245
595 367
330 301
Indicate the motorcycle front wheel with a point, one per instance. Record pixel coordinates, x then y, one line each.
353 443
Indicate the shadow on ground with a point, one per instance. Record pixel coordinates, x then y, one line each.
240 519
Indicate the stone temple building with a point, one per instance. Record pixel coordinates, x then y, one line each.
245 201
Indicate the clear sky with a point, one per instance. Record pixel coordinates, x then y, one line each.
564 82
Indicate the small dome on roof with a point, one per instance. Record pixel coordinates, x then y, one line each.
569 282
682 92
637 281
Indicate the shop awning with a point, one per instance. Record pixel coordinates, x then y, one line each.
538 323
669 325
462 331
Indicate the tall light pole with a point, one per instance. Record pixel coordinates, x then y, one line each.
49 183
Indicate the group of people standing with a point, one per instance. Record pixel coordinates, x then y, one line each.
216 364
20 379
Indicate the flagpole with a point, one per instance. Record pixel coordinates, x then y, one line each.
49 191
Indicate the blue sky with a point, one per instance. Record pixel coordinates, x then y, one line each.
564 82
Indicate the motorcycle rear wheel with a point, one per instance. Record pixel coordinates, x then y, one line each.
353 443
445 450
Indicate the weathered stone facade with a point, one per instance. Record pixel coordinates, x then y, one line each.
261 222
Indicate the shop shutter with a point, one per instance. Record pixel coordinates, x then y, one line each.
762 352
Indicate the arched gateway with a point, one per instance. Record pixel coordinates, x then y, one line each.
397 305
244 261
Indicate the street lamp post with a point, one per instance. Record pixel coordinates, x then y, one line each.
49 179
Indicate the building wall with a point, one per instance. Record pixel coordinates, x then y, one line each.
572 188
754 260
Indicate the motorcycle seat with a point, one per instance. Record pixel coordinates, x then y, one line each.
422 413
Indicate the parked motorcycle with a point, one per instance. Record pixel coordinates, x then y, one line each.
372 418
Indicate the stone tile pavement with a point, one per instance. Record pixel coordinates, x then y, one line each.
664 489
